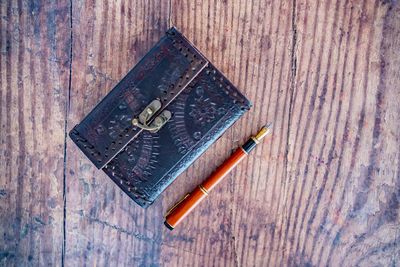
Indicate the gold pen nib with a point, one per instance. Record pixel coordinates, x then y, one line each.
263 131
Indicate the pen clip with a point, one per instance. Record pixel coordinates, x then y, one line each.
176 205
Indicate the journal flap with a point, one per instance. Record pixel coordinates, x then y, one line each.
201 113
161 75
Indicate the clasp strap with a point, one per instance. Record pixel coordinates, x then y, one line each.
146 115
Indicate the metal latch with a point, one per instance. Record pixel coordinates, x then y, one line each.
146 115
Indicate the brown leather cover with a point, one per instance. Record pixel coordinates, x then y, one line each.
203 104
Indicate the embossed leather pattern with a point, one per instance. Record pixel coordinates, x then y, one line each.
203 104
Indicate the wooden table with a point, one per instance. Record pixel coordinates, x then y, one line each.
324 189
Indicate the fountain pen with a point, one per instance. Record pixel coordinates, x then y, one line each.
181 209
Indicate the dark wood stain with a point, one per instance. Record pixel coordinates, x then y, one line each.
309 156
32 61
323 189
21 136
331 150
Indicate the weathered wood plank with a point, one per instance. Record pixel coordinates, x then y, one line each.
104 226
250 42
325 189
34 60
322 190
343 170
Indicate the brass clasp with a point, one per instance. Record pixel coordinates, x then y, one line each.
146 115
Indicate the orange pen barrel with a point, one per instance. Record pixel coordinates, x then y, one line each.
183 208
224 169
178 212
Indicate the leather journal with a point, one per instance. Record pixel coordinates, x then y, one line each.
162 116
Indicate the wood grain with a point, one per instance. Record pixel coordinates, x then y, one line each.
34 60
323 189
250 42
103 225
343 173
